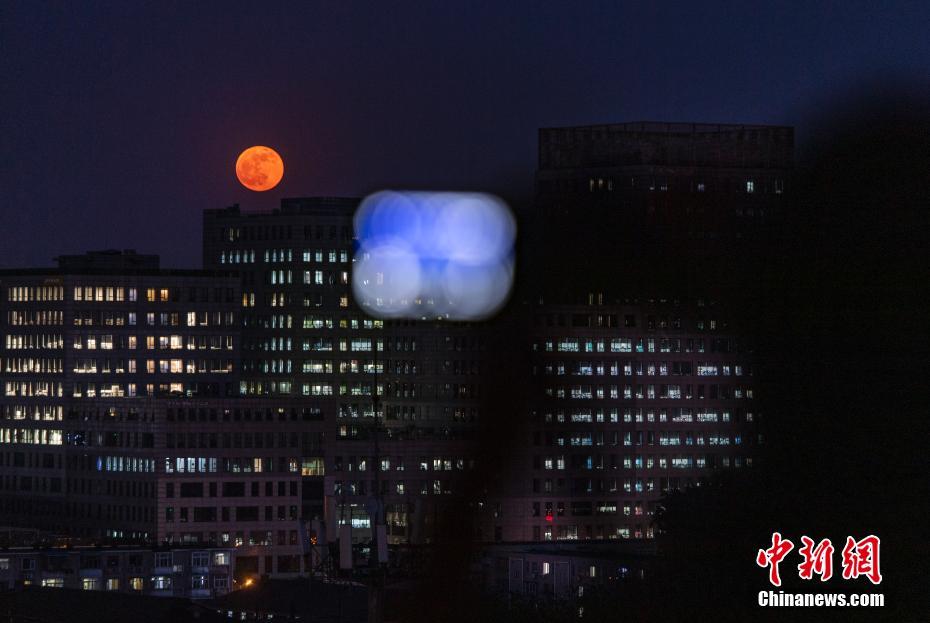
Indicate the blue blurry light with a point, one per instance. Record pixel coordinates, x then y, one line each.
433 254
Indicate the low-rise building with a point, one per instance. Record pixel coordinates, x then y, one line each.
193 573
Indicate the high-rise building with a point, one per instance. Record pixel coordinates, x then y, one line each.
106 326
632 204
304 336
642 371
122 420
629 400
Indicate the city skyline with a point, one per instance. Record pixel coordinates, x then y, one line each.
356 103
620 394
463 310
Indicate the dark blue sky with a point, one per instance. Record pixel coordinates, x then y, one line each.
121 121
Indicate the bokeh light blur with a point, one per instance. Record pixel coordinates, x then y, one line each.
445 255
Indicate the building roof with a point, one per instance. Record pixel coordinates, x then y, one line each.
670 127
292 206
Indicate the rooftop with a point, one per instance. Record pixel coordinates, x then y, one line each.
653 143
295 206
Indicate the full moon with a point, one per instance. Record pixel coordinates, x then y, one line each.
259 168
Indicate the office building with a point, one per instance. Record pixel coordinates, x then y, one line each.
107 326
634 204
163 572
304 336
629 400
642 374
122 421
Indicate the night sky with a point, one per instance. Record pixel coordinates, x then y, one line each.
121 121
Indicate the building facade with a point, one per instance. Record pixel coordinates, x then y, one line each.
649 206
304 336
642 376
122 421
164 572
629 401
105 327
245 473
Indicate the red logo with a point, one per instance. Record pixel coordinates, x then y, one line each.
859 558
772 556
817 560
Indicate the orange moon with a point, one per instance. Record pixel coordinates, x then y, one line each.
259 168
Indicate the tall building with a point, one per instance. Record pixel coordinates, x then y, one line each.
122 420
304 336
102 327
633 203
642 373
629 400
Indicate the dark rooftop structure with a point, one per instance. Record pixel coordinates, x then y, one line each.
667 144
109 259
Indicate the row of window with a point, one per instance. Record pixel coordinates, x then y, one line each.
593 463
286 321
136 583
644 368
118 294
316 277
285 299
643 345
639 415
31 436
601 184
42 412
161 342
649 392
244 514
235 440
665 438
230 465
361 464
32 365
40 317
399 487
570 533
153 366
35 293
283 232
129 390
27 389
34 341
231 489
